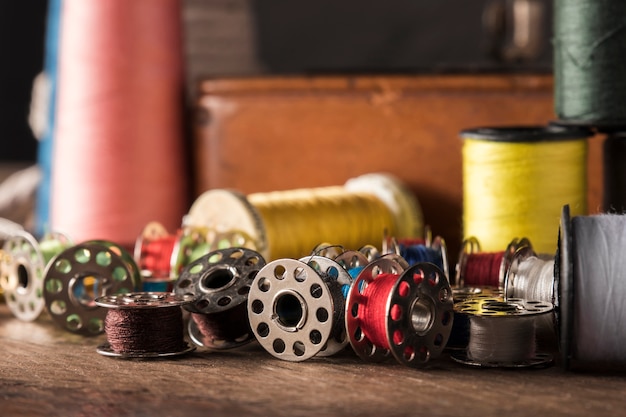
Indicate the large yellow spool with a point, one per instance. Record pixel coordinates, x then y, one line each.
517 179
291 223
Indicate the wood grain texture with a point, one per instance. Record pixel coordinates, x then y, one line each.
262 134
46 371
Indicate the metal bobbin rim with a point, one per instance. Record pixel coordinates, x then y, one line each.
519 255
106 350
360 343
499 308
240 264
564 282
426 285
343 278
468 246
143 300
539 360
200 340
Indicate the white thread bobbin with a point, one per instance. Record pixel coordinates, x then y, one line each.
591 291
502 333
530 277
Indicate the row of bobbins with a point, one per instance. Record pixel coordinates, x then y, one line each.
497 323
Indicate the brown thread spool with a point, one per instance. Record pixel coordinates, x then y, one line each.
219 283
144 325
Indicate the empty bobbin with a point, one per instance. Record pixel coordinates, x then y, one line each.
143 327
80 274
293 310
22 271
220 282
415 314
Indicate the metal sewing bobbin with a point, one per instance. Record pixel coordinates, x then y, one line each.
78 275
414 314
471 254
144 325
22 269
294 310
338 280
502 333
220 282
352 261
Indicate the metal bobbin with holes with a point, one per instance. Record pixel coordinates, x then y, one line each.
471 246
512 311
80 274
219 282
143 301
418 316
292 310
22 271
338 280
512 275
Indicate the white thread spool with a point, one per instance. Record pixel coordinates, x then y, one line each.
592 294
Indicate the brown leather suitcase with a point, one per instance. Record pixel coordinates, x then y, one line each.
276 133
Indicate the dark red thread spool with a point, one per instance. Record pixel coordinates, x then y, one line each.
406 312
144 325
486 269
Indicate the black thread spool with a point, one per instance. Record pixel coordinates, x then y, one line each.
144 325
296 310
417 313
220 282
614 173
502 333
80 274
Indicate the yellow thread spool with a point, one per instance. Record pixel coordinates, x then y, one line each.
291 223
517 179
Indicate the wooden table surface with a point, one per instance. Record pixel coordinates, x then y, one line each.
48 371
